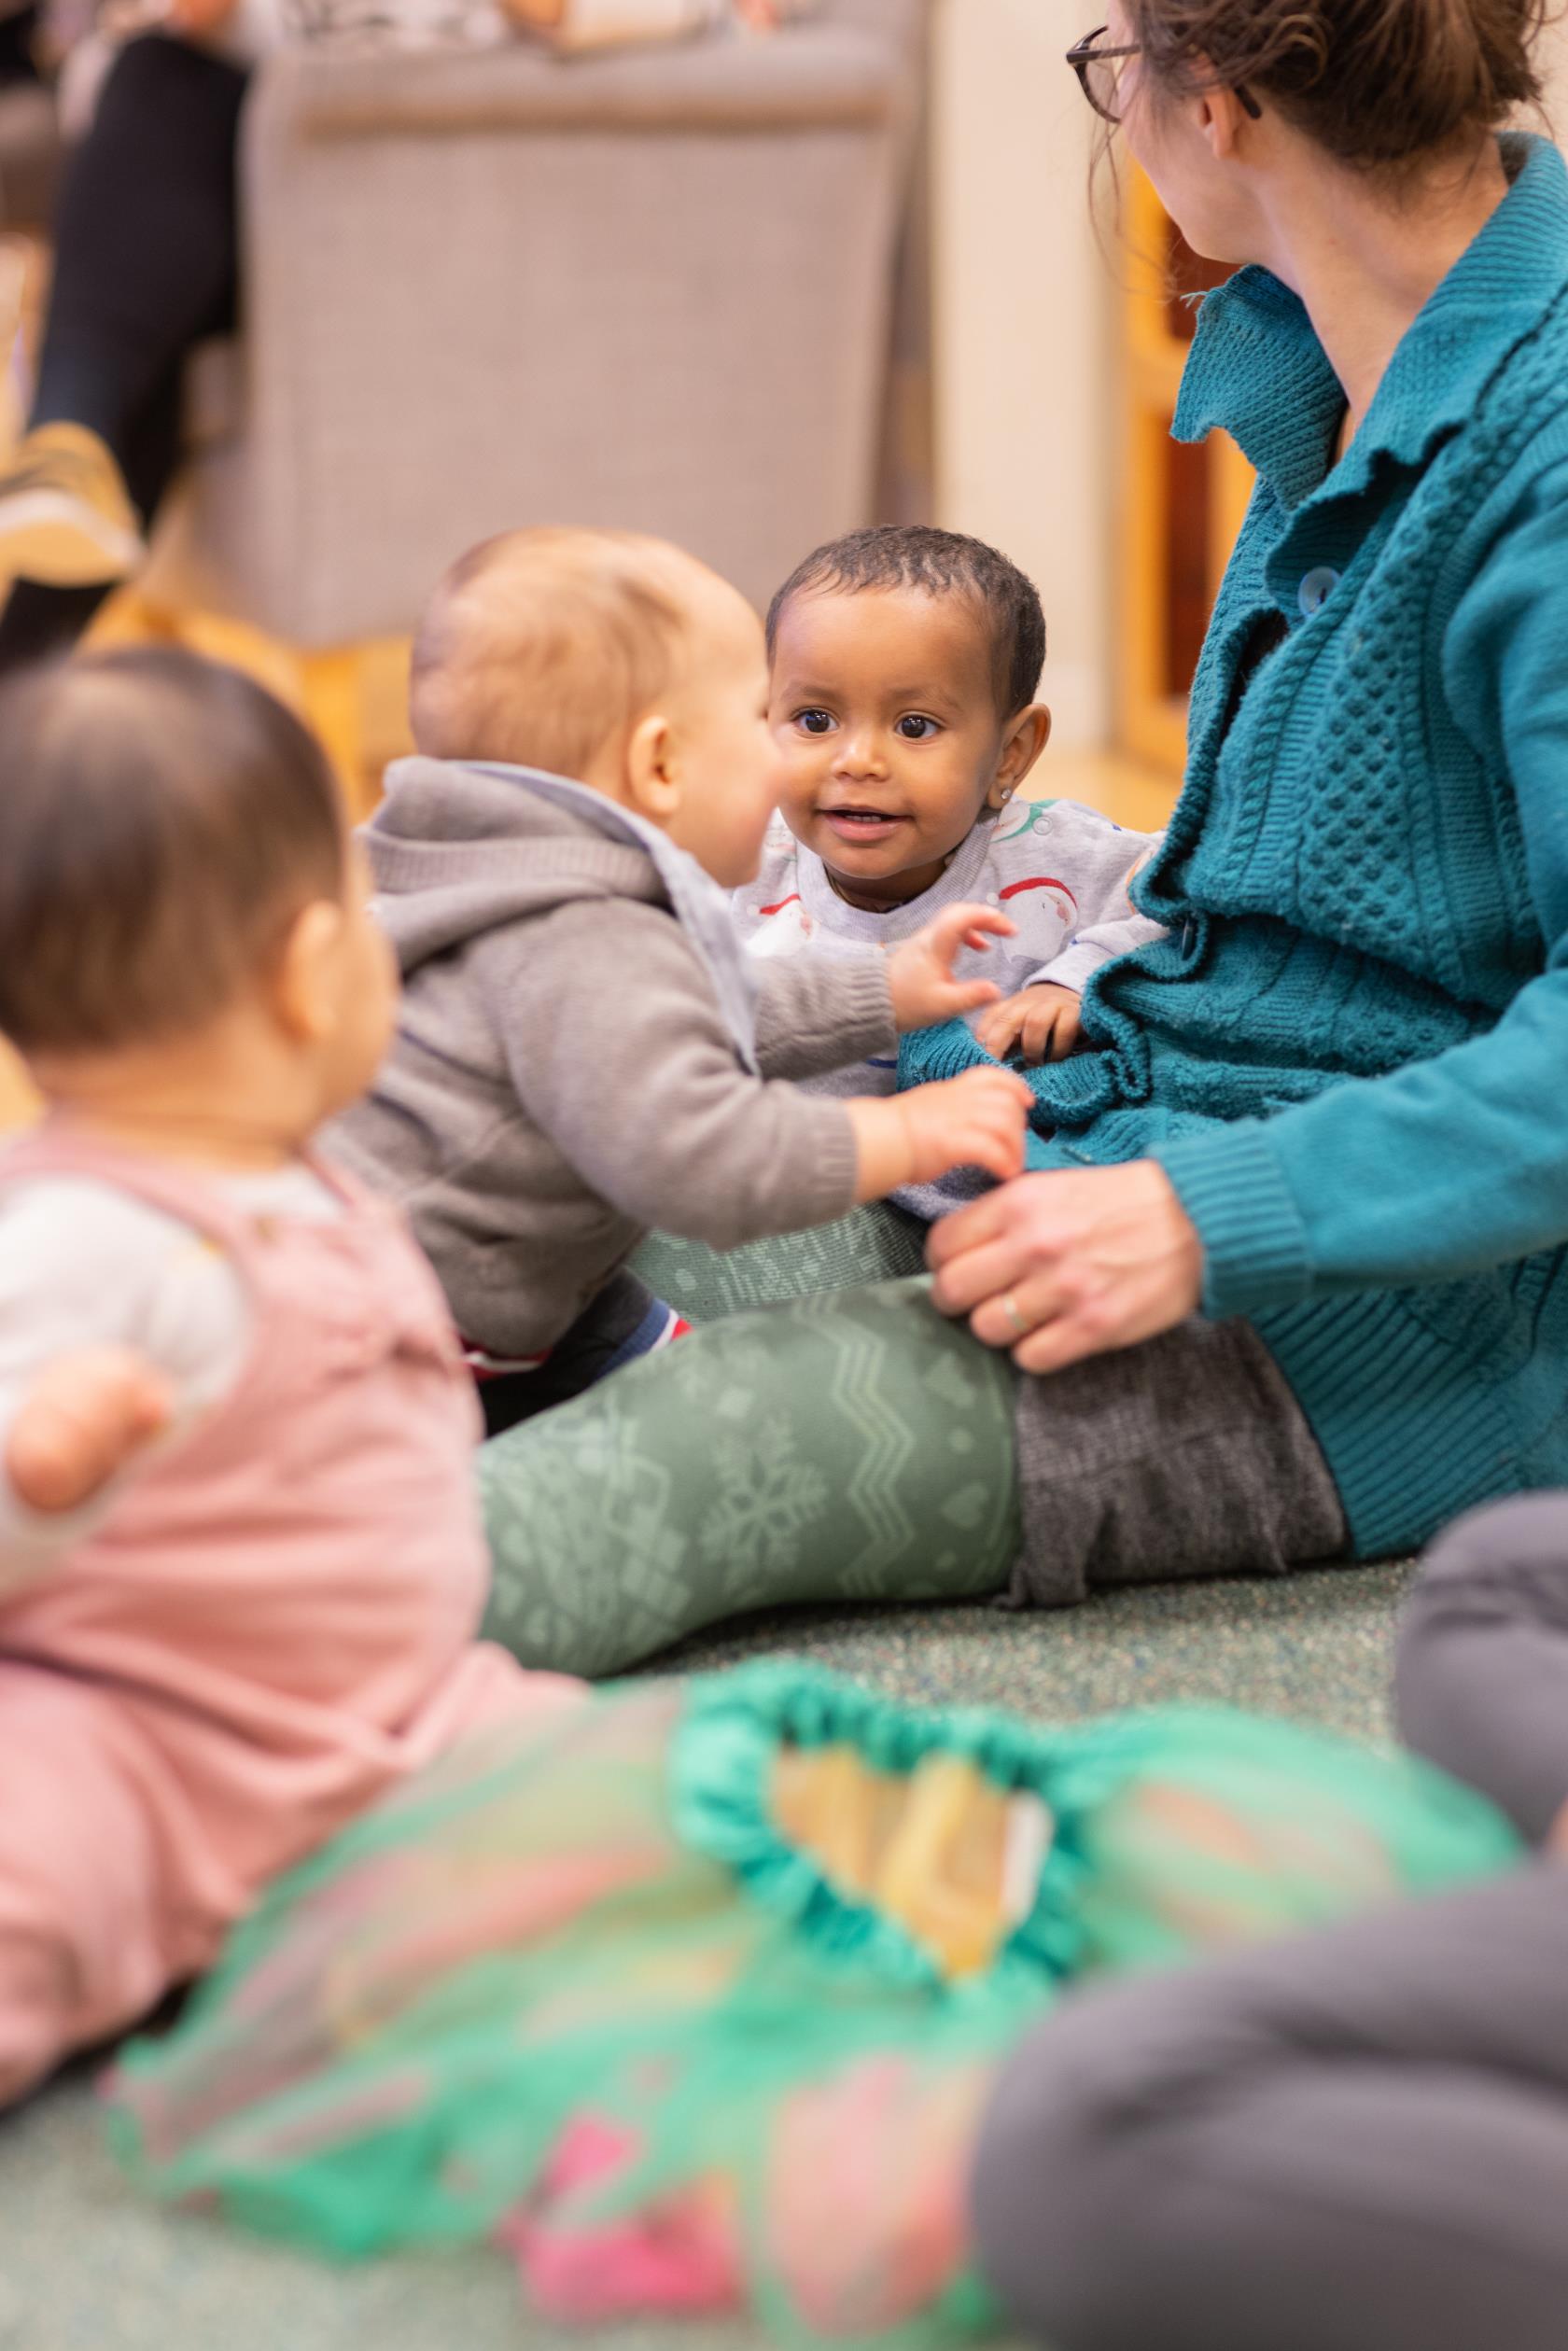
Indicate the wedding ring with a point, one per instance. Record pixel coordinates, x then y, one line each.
1010 1307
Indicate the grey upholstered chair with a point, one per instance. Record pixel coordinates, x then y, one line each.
650 288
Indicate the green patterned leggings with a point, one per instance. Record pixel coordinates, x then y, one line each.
849 1446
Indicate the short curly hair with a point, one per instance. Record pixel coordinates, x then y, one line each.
937 563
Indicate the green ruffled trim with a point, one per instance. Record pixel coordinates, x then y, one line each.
720 1767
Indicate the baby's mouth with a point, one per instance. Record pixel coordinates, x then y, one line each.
863 825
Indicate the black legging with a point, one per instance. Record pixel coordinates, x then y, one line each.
145 267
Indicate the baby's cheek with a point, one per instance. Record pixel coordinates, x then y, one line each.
797 787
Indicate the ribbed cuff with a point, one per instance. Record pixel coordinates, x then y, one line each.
1255 1242
814 1178
1412 1429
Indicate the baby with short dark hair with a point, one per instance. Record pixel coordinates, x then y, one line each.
905 662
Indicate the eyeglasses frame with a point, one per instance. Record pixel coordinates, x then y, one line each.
1085 53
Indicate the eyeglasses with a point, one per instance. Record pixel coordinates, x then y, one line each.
1100 73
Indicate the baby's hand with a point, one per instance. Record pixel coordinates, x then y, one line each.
978 1120
920 972
1041 1023
974 1121
82 1420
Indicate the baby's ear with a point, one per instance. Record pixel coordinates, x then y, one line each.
653 773
1027 737
303 996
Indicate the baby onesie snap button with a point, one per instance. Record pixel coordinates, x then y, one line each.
1316 588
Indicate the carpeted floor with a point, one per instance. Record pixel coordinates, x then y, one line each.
85 2267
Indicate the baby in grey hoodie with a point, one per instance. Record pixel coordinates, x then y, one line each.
585 1052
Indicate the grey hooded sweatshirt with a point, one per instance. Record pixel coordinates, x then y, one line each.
584 1050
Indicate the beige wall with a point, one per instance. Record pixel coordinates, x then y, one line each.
1022 297
1556 41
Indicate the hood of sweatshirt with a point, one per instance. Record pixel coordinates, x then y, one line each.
459 848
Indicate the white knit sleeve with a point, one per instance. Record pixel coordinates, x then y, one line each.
84 1266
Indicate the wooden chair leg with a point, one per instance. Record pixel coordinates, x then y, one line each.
331 689
130 619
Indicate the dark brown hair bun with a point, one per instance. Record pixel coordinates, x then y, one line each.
1377 83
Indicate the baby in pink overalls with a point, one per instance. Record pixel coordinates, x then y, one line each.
240 1562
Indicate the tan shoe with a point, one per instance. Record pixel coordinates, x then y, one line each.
65 517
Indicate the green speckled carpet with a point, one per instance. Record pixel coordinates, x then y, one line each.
85 2267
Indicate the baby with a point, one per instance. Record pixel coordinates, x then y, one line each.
241 1564
904 667
583 1051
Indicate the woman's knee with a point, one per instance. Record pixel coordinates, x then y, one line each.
1497 1570
1528 1530
1480 1683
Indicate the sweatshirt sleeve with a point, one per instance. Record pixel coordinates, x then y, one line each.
1301 1205
822 1012
1095 944
617 1052
1093 860
82 1267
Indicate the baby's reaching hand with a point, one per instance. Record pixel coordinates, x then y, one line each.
82 1420
978 1120
1040 1023
920 972
966 1122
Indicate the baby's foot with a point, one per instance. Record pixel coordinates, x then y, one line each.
82 1420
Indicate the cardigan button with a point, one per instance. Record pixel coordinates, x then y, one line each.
1316 588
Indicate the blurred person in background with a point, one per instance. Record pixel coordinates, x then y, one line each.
145 268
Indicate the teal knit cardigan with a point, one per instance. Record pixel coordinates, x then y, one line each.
1350 1052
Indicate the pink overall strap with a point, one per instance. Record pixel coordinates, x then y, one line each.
60 1146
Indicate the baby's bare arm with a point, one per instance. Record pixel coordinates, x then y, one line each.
82 1420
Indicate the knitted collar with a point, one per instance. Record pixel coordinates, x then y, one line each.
1258 369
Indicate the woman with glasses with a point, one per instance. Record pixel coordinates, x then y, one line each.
1357 2142
1284 1284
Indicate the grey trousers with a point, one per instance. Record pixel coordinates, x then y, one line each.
1356 2141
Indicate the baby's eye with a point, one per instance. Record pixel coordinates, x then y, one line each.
814 722
915 729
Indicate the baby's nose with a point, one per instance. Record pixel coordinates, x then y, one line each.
859 755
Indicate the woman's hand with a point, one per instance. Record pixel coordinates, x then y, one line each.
1057 1266
920 972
